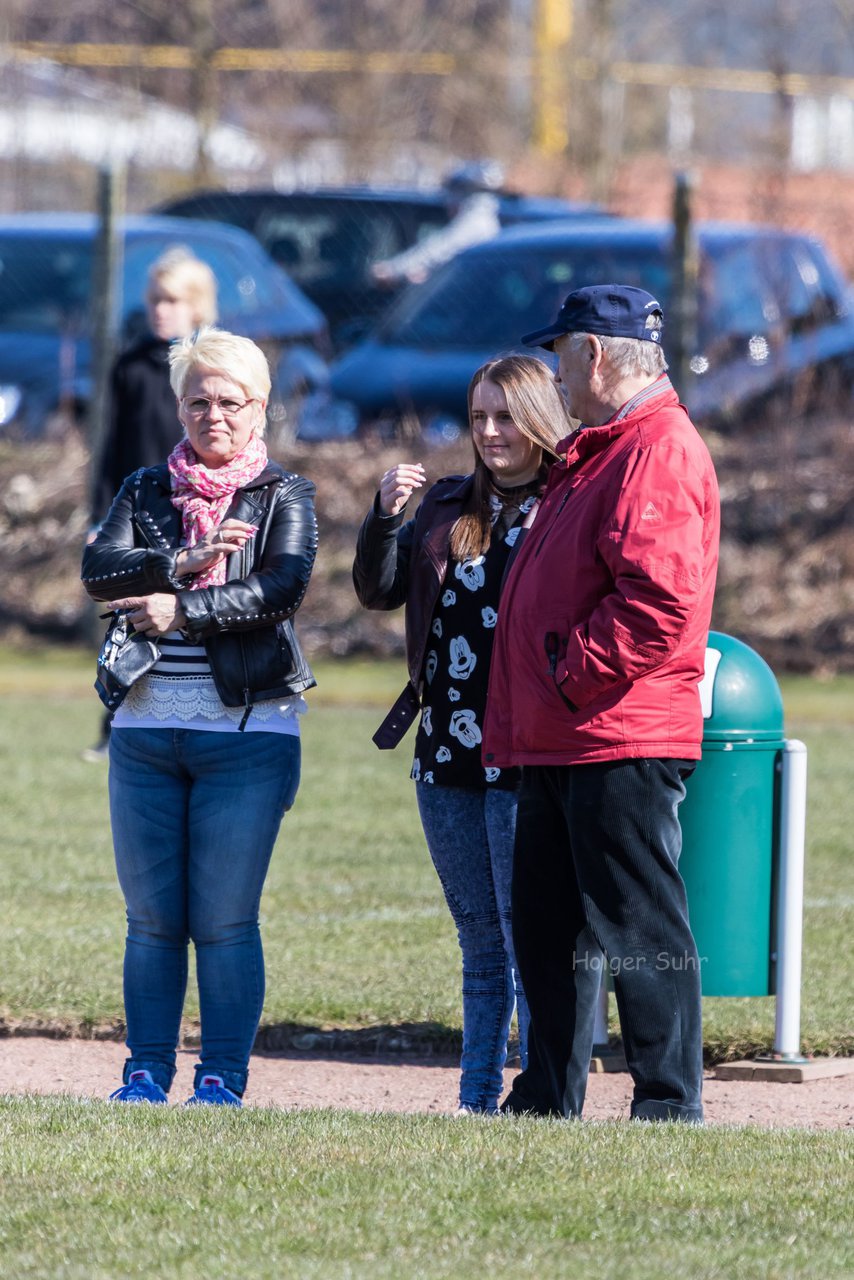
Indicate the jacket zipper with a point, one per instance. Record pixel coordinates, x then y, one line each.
246 703
247 558
555 518
551 645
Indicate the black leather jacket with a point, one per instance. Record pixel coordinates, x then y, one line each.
245 624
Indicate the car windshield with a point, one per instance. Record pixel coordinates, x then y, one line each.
322 242
488 299
44 284
244 285
45 281
325 242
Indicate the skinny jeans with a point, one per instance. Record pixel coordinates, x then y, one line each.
470 834
195 815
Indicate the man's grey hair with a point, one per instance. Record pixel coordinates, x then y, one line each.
628 357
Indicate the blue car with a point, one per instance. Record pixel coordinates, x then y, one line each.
328 238
775 327
46 309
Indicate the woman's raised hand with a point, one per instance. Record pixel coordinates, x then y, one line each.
228 537
397 485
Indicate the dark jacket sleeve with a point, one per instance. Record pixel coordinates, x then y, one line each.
114 567
273 590
383 555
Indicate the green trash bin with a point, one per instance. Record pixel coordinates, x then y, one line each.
729 822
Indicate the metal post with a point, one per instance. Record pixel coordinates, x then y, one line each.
790 900
106 307
520 57
684 301
106 304
204 87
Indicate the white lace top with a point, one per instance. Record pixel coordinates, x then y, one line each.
179 693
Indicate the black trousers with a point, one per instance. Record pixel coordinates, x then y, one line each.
596 871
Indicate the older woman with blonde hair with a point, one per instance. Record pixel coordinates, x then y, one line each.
210 555
446 565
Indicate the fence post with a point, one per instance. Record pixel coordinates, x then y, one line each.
106 307
683 307
790 901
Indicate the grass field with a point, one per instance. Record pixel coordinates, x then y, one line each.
356 931
98 1191
357 935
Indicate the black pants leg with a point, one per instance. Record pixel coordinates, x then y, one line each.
597 848
549 931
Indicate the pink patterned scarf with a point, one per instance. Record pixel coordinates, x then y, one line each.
203 496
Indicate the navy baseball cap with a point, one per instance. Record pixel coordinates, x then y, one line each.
612 310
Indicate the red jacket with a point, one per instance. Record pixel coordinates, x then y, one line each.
605 613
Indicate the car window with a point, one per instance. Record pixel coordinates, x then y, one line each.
243 288
335 241
320 240
805 298
240 212
423 222
737 296
326 245
831 288
490 298
44 284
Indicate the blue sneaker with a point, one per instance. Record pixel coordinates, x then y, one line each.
211 1092
139 1088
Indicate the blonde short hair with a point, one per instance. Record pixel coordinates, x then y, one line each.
179 270
218 351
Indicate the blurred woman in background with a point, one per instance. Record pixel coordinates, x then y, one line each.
143 425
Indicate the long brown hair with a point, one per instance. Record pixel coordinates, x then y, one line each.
538 412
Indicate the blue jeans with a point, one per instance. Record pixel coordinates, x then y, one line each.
470 837
195 815
596 870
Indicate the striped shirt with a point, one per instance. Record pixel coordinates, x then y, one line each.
179 693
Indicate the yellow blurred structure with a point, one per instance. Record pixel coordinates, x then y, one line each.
552 37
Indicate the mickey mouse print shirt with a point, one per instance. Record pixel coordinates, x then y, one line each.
456 667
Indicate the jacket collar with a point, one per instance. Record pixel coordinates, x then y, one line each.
588 440
272 471
458 488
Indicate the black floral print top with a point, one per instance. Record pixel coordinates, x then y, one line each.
456 667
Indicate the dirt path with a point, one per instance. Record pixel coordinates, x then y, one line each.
294 1081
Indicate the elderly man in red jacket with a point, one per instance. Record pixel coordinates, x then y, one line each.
598 654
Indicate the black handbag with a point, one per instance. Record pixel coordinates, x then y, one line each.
125 656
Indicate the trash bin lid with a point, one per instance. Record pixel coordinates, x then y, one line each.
740 696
